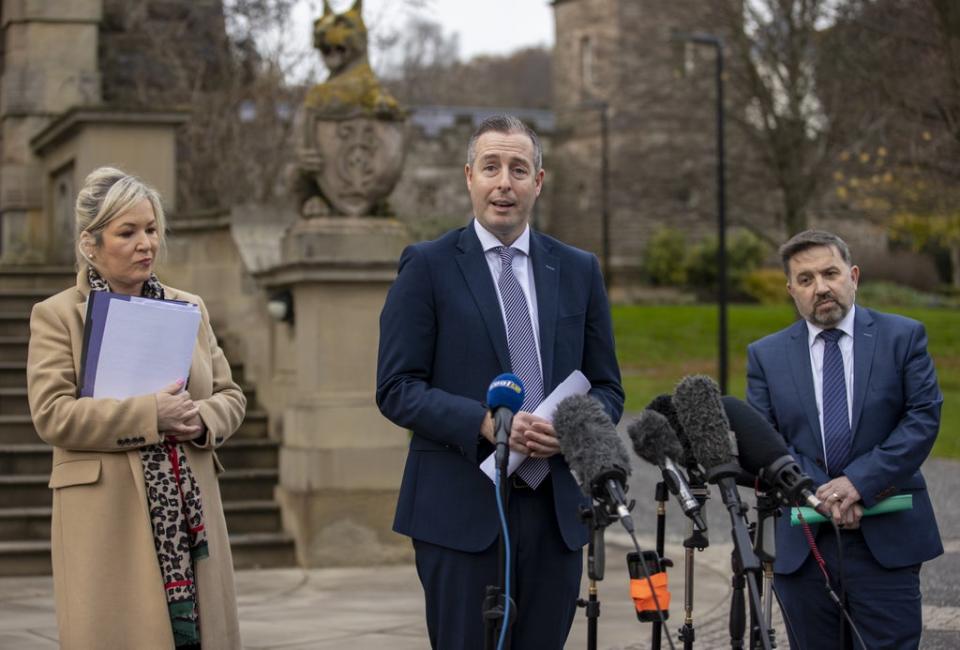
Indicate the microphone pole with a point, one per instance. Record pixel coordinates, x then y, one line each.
504 398
697 539
764 544
660 495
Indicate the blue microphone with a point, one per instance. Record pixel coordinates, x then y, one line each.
504 398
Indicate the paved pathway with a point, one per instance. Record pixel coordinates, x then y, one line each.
381 607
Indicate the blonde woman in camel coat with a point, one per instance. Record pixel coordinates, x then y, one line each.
109 588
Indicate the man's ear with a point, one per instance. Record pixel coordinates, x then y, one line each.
468 173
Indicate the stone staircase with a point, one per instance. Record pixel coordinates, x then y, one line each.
250 456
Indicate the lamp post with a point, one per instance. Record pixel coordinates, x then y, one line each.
717 43
602 108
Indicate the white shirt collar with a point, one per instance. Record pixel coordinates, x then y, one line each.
489 241
845 326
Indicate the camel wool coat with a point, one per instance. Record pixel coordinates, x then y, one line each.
107 582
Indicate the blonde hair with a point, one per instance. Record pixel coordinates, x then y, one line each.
106 194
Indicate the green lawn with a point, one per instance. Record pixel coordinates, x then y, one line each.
658 344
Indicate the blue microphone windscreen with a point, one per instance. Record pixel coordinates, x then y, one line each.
505 390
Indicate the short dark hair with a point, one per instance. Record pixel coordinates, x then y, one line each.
503 123
809 239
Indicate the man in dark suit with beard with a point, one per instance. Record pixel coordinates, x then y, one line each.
854 393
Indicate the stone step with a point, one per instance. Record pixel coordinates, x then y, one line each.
25 524
249 453
247 484
33 524
238 453
255 425
25 558
257 516
25 459
14 348
49 279
30 490
21 300
263 550
13 401
17 429
250 551
25 490
14 323
13 374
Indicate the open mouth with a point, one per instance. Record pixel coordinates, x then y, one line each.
502 204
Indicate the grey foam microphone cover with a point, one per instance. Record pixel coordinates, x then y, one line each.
701 414
654 439
588 440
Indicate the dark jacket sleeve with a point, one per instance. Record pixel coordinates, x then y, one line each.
408 330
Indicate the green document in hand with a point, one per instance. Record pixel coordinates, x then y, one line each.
893 504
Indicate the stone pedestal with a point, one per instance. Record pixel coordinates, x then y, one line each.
341 461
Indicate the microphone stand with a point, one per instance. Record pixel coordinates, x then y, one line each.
598 517
764 544
696 540
661 494
494 598
744 561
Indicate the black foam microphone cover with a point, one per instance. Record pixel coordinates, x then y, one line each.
663 404
698 405
758 442
653 438
589 441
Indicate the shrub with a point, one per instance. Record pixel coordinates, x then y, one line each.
663 258
745 252
768 286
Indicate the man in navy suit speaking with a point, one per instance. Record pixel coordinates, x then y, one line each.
854 393
492 297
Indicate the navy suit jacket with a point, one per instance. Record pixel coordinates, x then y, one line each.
896 416
442 340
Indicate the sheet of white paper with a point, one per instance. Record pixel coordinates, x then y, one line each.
576 384
146 346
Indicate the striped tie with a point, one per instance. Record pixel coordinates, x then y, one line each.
524 360
837 438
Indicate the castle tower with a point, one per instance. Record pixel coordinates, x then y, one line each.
619 57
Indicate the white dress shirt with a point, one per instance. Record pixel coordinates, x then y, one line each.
817 345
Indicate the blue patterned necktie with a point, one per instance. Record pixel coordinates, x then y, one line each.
524 360
837 438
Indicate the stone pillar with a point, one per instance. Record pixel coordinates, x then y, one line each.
341 461
70 147
49 65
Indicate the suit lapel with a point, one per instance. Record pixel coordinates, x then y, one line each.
546 277
802 371
864 344
476 273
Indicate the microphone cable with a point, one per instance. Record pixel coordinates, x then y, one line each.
839 600
653 591
506 562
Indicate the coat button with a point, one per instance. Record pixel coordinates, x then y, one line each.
819 462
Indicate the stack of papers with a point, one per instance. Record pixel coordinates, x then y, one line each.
135 346
575 384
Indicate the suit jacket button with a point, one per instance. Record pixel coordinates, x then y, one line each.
819 463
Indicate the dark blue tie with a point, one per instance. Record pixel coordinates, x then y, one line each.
837 439
524 360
